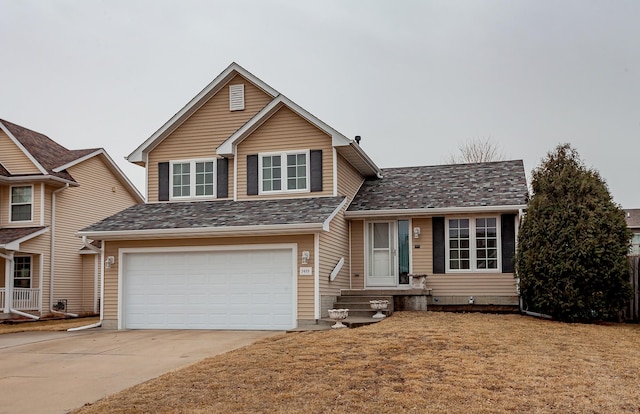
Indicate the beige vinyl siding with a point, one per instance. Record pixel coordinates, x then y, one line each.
5 205
89 280
422 257
40 246
472 284
13 159
455 284
349 179
305 283
286 131
357 254
334 245
99 195
201 134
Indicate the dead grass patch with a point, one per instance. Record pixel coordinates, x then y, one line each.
46 325
411 362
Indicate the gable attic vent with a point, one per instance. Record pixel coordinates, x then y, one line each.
236 97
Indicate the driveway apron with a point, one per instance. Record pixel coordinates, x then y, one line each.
56 372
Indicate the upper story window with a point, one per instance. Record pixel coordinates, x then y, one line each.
22 272
192 178
284 172
635 245
472 244
21 203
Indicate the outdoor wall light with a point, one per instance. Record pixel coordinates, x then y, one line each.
305 257
110 260
416 232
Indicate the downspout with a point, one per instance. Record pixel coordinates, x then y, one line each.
521 216
52 253
101 252
350 258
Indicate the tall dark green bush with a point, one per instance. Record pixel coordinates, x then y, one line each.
572 245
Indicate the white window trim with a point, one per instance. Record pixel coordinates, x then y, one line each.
192 180
11 220
283 176
472 245
30 270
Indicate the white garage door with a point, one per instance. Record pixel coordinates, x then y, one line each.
247 289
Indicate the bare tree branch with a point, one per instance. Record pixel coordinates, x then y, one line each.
477 150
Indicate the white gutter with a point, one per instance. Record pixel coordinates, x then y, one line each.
53 243
231 231
37 178
431 211
101 251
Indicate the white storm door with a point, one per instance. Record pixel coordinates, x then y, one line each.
381 270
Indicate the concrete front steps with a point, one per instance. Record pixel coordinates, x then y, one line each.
359 305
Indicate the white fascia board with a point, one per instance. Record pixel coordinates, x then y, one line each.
325 225
194 104
36 178
432 211
23 149
15 244
78 160
227 148
232 231
366 159
112 165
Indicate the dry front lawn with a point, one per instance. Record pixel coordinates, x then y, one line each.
46 325
411 362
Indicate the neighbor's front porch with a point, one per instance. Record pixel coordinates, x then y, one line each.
24 299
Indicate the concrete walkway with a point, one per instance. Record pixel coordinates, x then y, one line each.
55 372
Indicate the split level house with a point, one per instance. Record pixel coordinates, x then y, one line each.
48 193
259 215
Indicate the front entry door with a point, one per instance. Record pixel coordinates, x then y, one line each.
382 268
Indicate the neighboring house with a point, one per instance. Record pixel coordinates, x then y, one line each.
633 223
48 193
250 222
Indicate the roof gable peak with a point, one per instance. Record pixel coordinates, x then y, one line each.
138 155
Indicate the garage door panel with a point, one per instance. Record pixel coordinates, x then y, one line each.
250 289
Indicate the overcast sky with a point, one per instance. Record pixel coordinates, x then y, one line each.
414 78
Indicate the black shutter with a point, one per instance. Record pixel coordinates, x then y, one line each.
439 256
315 164
222 178
508 236
252 174
163 181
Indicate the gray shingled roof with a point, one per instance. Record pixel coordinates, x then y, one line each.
13 234
633 218
500 183
46 151
223 213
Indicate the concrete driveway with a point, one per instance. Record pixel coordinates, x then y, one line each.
55 372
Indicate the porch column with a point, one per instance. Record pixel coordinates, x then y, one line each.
8 281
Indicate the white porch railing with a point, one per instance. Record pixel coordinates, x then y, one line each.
23 299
